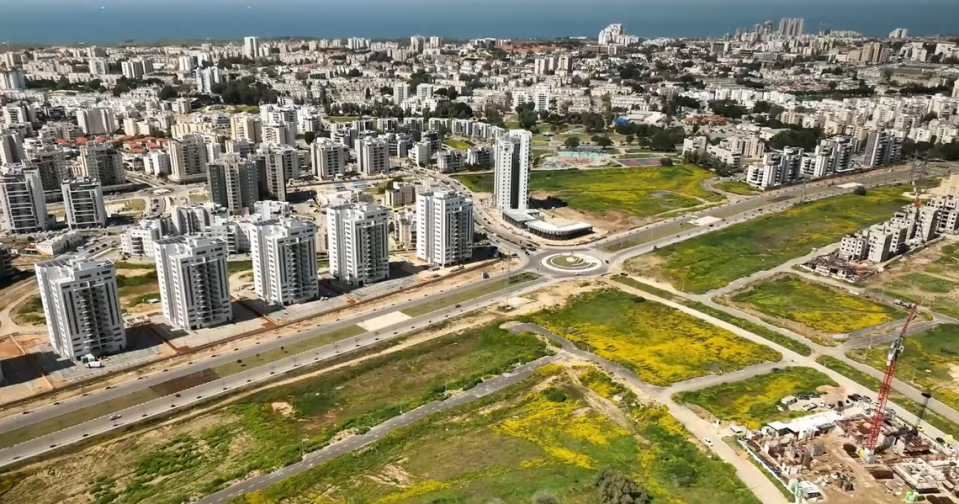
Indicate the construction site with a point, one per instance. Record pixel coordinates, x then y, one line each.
859 451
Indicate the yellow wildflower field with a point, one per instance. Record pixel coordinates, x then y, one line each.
658 343
815 306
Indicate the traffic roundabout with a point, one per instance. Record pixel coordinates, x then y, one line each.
572 262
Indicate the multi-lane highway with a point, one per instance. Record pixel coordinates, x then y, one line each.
610 251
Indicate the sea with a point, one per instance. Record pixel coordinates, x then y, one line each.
116 21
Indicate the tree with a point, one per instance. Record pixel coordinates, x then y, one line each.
859 191
630 139
616 488
603 141
168 93
572 143
309 137
662 142
666 161
806 138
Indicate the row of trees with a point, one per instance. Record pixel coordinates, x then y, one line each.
246 91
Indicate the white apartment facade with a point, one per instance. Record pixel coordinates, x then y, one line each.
83 201
444 221
358 243
104 163
193 278
81 305
511 170
138 240
284 261
373 156
329 158
22 200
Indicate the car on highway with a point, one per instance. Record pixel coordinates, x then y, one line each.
116 417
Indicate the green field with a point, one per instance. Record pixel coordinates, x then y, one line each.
930 417
524 444
638 192
457 144
930 276
735 187
30 312
713 260
290 350
929 361
238 266
755 401
775 337
660 344
815 306
469 294
275 427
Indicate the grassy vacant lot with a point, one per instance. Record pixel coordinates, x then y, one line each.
660 344
131 289
273 428
30 312
469 294
871 383
775 337
523 441
457 144
754 402
735 187
930 276
930 361
715 259
815 306
238 266
639 192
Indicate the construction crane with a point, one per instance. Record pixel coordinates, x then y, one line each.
892 356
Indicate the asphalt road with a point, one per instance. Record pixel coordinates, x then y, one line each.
43 444
353 443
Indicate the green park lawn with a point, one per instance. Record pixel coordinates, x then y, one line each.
638 192
713 260
735 187
457 144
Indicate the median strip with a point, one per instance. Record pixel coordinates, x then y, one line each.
469 294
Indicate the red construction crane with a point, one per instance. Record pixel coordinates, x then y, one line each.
895 349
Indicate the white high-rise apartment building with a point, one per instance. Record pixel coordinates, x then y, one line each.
102 162
193 281
246 126
12 80
374 156
358 243
882 148
611 34
284 261
233 182
329 158
444 222
251 47
21 198
11 148
425 91
99 66
188 159
401 92
83 201
133 69
206 78
511 170
282 166
51 162
97 121
156 162
541 99
138 240
81 305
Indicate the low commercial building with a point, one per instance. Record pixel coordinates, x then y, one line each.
60 244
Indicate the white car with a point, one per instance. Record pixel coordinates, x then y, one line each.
708 442
115 417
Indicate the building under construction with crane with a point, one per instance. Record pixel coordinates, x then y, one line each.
859 451
929 216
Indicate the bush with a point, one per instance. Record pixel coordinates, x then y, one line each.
553 394
859 191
